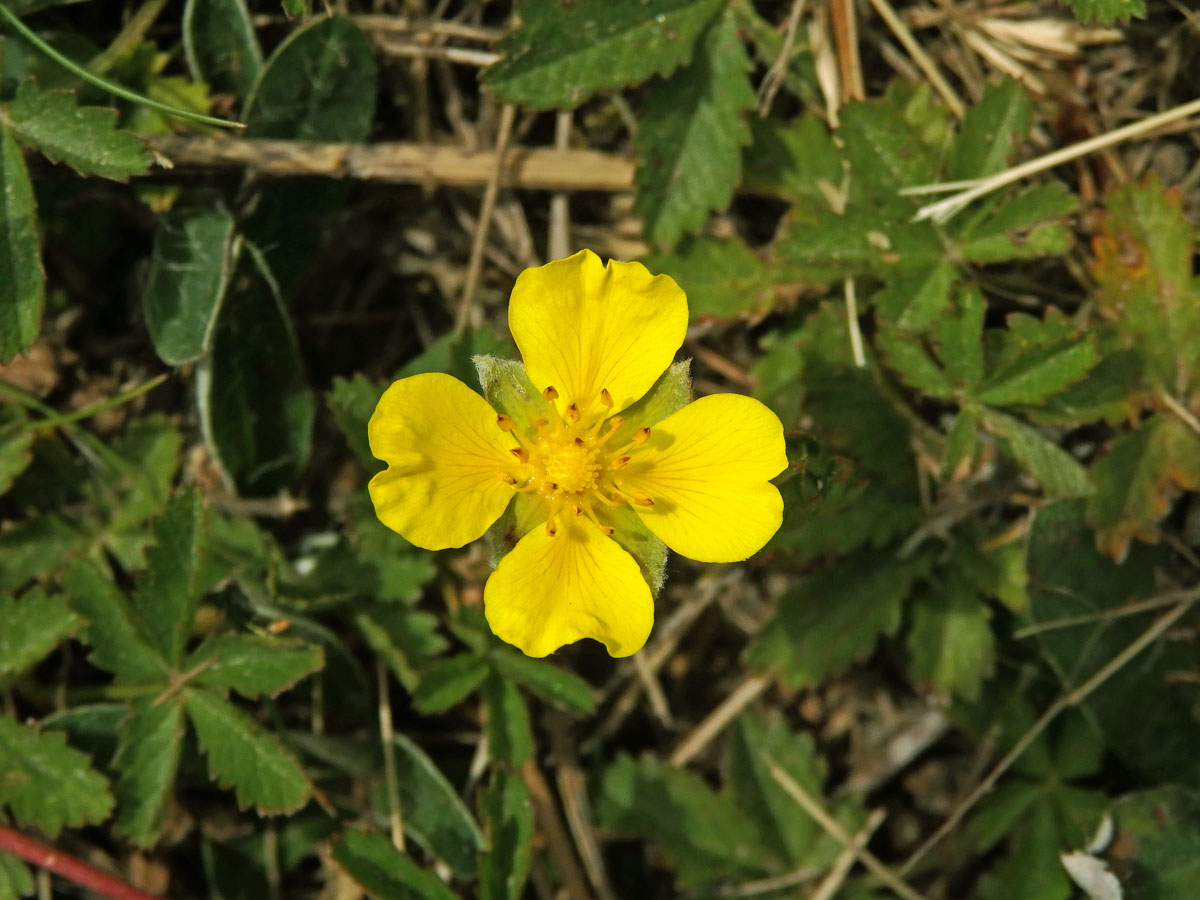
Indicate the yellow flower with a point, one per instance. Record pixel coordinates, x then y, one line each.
594 341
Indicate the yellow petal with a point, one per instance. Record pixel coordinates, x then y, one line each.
444 452
582 326
706 467
552 591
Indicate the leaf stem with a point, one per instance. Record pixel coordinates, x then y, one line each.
103 83
59 419
61 863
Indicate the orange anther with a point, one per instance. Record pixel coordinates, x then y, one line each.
550 394
606 398
621 462
506 477
520 453
643 499
573 412
641 436
551 528
506 424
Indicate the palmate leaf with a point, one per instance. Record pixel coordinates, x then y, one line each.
723 278
244 757
563 53
119 642
32 627
691 135
252 665
85 138
22 280
45 782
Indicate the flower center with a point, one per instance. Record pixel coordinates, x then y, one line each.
570 464
573 467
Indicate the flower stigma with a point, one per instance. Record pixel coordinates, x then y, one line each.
569 463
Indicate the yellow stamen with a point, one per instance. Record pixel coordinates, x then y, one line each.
520 453
506 424
573 413
641 436
621 462
643 500
550 394
607 529
606 398
507 477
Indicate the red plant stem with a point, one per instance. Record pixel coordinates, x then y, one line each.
67 866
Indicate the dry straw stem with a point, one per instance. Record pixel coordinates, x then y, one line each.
832 882
1187 599
835 829
555 832
387 736
922 59
404 163
943 210
714 723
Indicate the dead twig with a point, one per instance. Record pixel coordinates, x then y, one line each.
714 723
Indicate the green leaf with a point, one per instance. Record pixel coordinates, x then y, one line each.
220 45
1146 713
1145 282
1027 226
255 404
147 758
16 443
383 871
510 738
556 686
1036 375
189 271
253 665
448 682
433 813
1058 472
914 302
1161 828
990 131
318 85
563 53
1137 480
698 830
950 642
352 402
297 7
15 878
723 278
407 639
33 626
1111 391
508 813
791 834
1107 11
912 362
797 161
244 757
84 137
960 337
691 135
22 280
119 641
167 596
835 617
46 783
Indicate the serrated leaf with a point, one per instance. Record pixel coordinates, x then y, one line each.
254 400
84 137
22 280
253 665
827 246
32 627
886 152
147 758
220 45
835 618
723 278
508 812
1036 375
1111 391
434 814
1145 282
556 686
690 137
1027 226
960 337
1107 11
318 85
244 757
45 782
1137 479
797 161
563 53
189 270
510 738
1057 471
448 682
950 642
167 595
117 636
383 871
989 132
352 401
793 836
912 362
697 829
913 302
